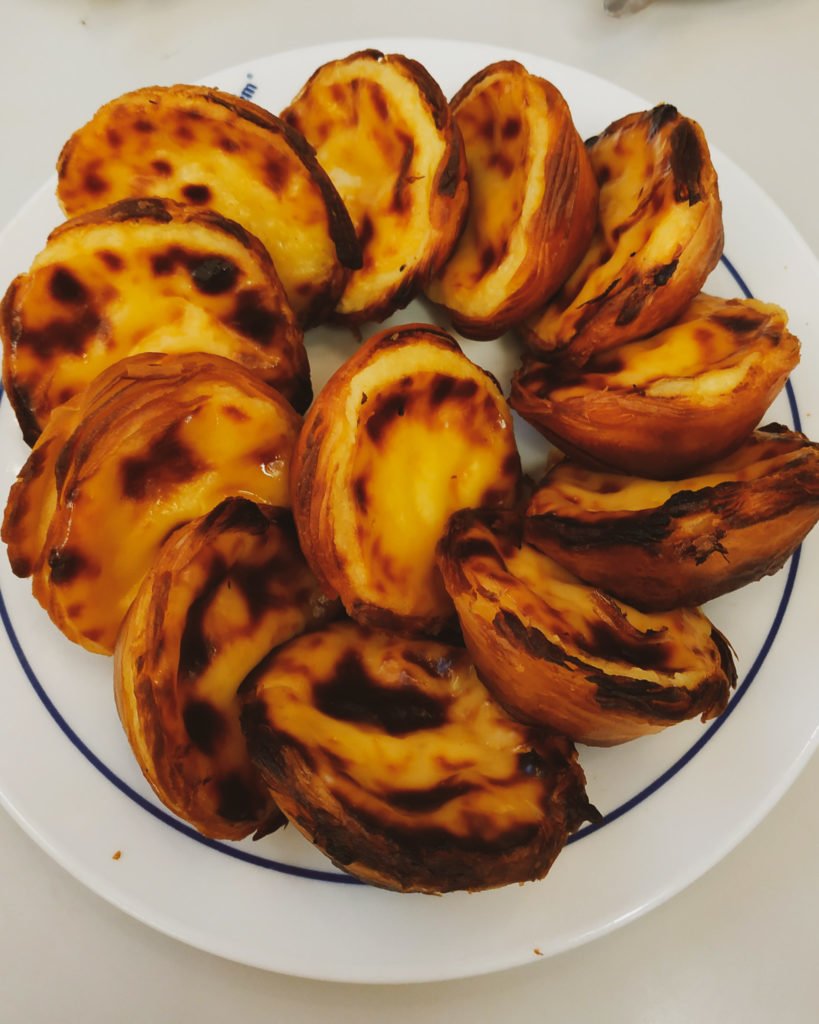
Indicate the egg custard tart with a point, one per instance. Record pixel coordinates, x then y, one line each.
222 591
558 653
383 131
532 201
669 544
658 238
390 756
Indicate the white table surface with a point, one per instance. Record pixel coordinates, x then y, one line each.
738 945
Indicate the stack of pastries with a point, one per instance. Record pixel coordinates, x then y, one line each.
367 622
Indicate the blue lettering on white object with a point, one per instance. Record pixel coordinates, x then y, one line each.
249 89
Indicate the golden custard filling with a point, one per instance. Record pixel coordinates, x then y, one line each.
572 491
506 132
421 444
706 354
145 473
376 138
669 648
403 730
179 145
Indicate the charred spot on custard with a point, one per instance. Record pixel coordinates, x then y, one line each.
112 261
211 275
214 275
502 164
444 388
61 336
162 168
488 257
400 201
512 127
253 583
645 650
164 263
197 194
387 408
277 172
205 725
67 289
252 318
195 652
95 184
425 801
360 492
379 100
169 464
352 695
233 412
65 565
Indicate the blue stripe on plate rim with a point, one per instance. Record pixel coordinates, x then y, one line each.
338 877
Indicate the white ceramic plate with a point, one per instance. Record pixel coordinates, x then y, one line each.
674 804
